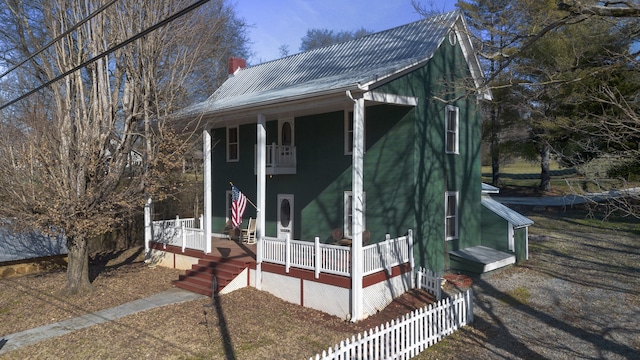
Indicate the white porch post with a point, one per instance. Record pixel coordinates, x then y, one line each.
261 184
358 211
148 228
206 150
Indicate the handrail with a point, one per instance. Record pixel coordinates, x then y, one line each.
334 259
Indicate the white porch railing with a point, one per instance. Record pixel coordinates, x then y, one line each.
280 159
180 232
335 259
387 254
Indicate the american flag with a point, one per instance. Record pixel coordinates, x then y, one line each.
238 204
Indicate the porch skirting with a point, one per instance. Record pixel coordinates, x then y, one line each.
332 293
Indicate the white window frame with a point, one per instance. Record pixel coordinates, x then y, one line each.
450 148
348 213
348 133
237 144
455 217
281 123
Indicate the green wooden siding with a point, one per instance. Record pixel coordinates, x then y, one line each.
495 230
436 172
520 242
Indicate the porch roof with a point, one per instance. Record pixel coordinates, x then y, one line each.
358 65
515 218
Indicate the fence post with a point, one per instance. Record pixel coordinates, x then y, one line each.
387 253
148 228
418 273
184 237
412 262
318 256
287 253
201 222
470 305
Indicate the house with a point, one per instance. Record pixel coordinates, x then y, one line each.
19 249
359 142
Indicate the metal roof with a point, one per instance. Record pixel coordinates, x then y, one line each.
489 189
515 218
356 64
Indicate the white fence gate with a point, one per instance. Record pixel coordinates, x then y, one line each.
408 336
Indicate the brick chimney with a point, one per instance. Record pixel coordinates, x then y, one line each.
235 64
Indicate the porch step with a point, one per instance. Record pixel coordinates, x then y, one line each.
479 259
200 278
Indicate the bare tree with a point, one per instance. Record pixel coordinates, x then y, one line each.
80 155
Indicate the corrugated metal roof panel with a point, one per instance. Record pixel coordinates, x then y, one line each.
349 63
489 189
515 218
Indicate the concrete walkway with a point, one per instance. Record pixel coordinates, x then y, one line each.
33 336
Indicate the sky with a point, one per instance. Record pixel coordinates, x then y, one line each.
273 23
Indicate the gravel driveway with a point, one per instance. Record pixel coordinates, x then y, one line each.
578 297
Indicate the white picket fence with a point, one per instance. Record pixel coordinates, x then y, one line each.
334 259
430 281
180 232
408 336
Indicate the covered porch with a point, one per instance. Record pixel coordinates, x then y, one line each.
308 273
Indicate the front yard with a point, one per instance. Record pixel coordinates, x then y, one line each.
577 297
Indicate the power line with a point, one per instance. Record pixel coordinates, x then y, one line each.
109 51
48 45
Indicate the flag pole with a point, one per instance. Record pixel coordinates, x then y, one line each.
250 202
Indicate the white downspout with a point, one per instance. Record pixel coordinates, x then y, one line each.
206 148
261 184
357 190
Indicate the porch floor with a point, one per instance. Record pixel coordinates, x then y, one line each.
231 249
480 259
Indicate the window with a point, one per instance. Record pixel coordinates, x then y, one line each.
451 136
451 215
286 134
348 132
233 143
348 213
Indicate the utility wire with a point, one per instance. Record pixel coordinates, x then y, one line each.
109 51
91 16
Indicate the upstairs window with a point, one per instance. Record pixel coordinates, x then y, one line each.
451 215
348 132
233 144
451 133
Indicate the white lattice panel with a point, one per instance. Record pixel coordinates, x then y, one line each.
377 296
331 299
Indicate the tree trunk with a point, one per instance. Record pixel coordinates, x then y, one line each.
545 174
78 267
